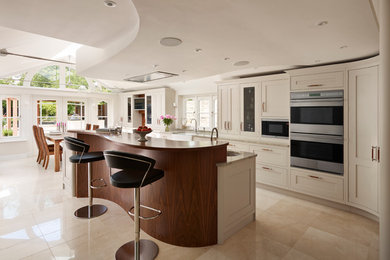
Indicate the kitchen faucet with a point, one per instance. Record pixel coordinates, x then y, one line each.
196 125
212 134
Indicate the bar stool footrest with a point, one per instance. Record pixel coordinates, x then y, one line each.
99 186
159 212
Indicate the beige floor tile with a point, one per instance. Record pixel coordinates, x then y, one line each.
296 255
323 245
24 249
43 255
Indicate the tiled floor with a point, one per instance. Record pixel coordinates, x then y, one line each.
37 222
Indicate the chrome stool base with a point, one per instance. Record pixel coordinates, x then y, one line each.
90 211
148 250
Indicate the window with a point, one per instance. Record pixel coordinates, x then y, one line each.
75 81
100 88
190 110
16 80
47 77
10 121
47 114
76 115
203 109
102 114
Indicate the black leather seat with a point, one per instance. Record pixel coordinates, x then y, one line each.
87 157
136 171
83 156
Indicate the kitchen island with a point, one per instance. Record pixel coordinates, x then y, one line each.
187 194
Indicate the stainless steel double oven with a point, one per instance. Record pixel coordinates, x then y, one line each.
317 130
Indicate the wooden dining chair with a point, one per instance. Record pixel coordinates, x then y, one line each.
95 127
37 141
47 150
88 127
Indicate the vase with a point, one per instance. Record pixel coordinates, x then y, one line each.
167 128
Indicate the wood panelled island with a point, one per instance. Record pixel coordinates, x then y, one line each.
187 194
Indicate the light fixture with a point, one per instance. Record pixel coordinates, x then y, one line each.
155 66
109 3
227 58
344 47
198 50
4 52
241 63
170 41
151 76
322 23
184 71
317 61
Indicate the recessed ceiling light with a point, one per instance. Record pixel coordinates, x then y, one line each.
344 47
317 61
198 50
155 66
151 76
109 3
227 58
322 23
241 63
184 71
170 41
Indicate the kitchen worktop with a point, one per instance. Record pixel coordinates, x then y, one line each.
158 142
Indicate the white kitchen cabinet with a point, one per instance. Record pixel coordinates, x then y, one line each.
272 175
249 97
319 80
271 154
229 107
275 98
363 138
317 184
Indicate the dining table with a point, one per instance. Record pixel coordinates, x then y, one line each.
56 139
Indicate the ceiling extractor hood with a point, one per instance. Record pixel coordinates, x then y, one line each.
151 76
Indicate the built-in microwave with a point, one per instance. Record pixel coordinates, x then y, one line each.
274 128
139 103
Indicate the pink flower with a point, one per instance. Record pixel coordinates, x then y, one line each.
161 117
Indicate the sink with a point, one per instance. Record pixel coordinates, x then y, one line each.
232 153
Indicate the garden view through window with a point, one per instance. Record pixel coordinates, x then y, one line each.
10 121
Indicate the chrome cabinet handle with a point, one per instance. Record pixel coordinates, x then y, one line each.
374 153
314 177
315 85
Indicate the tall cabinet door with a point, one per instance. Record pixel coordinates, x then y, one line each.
224 107
275 98
363 138
248 97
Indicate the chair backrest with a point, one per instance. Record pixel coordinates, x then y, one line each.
88 127
95 127
35 132
42 139
76 145
129 161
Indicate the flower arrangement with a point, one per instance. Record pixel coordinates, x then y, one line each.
167 121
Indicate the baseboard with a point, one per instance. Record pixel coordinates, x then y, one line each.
15 156
323 202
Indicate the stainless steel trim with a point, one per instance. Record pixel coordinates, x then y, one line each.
274 136
159 212
317 129
332 139
317 94
332 102
317 165
275 120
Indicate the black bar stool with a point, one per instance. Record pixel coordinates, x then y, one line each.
79 146
136 171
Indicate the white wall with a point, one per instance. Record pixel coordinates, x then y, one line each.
24 145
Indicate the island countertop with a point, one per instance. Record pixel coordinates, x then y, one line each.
153 143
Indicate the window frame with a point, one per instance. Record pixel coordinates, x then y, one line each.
40 112
65 114
212 113
19 117
107 114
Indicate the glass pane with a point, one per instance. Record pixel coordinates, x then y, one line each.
75 81
16 80
149 109
190 111
318 151
317 115
47 77
249 109
10 122
204 113
129 110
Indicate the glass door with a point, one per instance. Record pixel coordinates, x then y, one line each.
249 109
149 110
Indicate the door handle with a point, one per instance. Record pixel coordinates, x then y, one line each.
241 126
314 85
266 168
267 150
374 151
263 106
224 125
379 154
314 177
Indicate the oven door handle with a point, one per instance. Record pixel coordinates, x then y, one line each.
333 139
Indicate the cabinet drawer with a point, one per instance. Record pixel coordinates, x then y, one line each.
238 147
271 175
320 80
317 184
274 155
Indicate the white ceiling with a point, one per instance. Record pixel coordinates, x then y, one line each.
267 33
